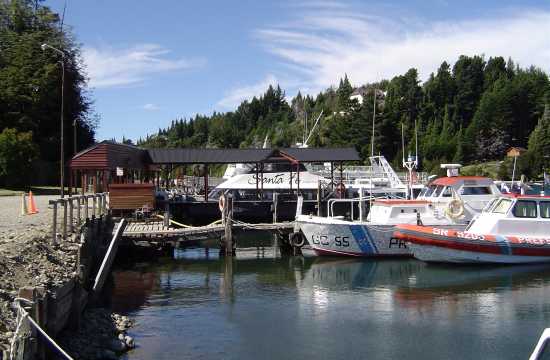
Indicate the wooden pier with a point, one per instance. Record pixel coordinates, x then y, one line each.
158 232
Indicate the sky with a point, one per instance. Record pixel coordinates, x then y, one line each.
149 63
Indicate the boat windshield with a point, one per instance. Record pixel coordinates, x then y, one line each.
438 191
502 206
428 190
490 205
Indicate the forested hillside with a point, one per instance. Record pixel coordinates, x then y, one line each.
472 111
30 89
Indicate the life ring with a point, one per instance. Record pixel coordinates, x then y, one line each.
341 190
455 209
221 203
297 240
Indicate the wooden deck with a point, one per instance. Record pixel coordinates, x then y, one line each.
156 231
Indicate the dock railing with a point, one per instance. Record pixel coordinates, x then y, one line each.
80 203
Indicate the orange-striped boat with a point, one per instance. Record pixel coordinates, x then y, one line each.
510 230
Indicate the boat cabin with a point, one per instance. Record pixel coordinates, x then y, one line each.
520 215
477 191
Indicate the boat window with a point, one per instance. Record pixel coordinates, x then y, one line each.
525 209
502 206
490 205
437 191
447 192
544 209
428 191
475 190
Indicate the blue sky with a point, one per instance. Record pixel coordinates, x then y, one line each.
152 62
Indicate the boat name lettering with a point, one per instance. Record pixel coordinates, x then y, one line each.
443 232
470 236
273 179
399 243
534 241
341 241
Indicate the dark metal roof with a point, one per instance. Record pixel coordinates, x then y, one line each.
109 155
227 156
207 156
322 154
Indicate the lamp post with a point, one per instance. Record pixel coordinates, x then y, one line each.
62 156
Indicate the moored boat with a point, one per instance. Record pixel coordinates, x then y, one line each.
510 230
448 202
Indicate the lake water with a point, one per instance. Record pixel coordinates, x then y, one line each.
258 306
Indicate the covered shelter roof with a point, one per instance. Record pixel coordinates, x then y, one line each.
207 156
232 156
109 155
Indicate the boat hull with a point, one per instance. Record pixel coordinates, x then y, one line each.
348 239
439 254
433 244
206 212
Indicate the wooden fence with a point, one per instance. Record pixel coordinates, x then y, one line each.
79 204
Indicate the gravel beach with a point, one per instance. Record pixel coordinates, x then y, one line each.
28 258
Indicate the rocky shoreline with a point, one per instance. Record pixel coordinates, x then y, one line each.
28 259
102 335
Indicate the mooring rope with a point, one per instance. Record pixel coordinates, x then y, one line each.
23 314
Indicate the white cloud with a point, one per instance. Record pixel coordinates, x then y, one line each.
150 107
108 67
323 43
235 96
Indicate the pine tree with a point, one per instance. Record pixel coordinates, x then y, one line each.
539 141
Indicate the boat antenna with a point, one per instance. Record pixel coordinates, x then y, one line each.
403 143
416 142
312 129
373 118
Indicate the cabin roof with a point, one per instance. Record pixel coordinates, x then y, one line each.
453 180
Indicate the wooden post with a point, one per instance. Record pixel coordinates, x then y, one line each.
105 208
86 207
70 183
228 226
78 210
261 180
332 176
64 219
166 213
93 206
275 206
54 223
319 199
275 210
205 182
298 178
71 211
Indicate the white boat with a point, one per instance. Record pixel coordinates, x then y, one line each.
510 230
448 202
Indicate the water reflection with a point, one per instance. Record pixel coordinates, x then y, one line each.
269 307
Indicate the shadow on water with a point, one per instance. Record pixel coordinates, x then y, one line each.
199 305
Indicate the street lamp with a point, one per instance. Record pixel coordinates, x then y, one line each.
62 157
